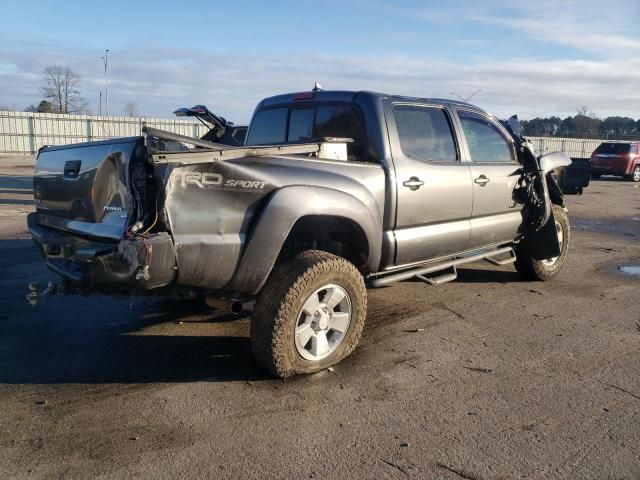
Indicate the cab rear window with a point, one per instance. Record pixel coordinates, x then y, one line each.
308 124
268 127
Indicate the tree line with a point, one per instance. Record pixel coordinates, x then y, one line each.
584 124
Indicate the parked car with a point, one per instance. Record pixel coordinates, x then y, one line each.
333 192
617 158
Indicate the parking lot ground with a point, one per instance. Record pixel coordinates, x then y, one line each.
487 377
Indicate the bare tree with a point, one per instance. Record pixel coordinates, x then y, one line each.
584 111
7 108
62 89
131 109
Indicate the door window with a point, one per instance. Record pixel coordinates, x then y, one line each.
486 143
425 133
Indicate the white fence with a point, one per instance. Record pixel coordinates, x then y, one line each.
25 133
575 147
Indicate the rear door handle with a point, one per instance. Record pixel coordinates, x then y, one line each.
414 183
481 180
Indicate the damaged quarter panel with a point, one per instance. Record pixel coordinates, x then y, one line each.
219 212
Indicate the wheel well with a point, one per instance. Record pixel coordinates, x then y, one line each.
338 235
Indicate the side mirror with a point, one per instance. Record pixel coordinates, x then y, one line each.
554 160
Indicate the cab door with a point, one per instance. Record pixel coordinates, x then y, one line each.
433 184
495 217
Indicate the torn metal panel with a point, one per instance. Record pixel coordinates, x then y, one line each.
135 263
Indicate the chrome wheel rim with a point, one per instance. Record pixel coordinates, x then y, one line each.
323 322
636 174
551 261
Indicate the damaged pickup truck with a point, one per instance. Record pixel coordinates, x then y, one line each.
331 193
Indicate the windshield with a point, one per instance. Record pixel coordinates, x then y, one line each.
613 148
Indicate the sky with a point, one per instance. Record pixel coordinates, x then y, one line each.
533 58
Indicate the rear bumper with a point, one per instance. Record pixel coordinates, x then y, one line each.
620 168
124 266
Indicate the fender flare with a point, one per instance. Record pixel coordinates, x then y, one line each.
283 209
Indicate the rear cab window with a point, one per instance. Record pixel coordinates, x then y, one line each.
309 123
268 127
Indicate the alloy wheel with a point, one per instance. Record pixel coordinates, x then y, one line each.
323 322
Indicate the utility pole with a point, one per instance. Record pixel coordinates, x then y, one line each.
100 107
105 61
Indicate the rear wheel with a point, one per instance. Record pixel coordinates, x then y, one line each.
635 175
533 269
309 315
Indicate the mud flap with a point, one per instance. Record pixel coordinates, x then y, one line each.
544 242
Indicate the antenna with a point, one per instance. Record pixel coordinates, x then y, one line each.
467 98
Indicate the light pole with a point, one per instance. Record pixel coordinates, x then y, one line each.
105 61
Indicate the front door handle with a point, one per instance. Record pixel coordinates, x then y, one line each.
481 180
414 183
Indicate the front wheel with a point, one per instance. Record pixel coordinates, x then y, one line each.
309 315
635 175
533 269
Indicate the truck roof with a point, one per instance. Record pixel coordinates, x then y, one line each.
349 96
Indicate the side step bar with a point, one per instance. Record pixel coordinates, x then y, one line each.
423 272
505 261
440 279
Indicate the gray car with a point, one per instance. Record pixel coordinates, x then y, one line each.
333 192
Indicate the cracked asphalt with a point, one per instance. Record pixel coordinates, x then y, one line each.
488 377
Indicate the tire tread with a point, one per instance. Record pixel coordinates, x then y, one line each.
275 306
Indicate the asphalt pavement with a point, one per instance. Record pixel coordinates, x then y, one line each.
488 377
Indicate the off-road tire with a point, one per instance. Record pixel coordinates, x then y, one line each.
634 176
533 269
279 304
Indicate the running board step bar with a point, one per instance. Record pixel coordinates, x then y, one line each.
423 271
503 261
440 279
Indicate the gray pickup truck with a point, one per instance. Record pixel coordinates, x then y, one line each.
332 192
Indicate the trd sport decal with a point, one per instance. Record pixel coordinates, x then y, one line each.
211 180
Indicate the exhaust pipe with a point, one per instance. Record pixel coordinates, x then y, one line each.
234 306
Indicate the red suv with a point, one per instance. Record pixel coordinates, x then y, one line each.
617 158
